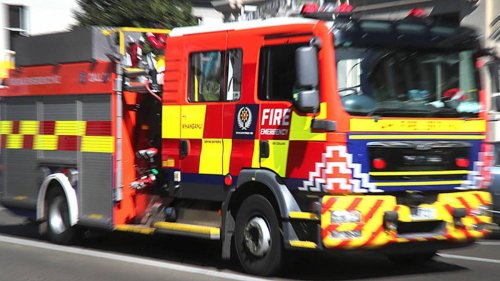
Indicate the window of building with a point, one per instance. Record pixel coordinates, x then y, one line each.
17 22
277 75
215 76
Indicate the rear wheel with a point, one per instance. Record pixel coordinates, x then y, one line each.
258 237
58 227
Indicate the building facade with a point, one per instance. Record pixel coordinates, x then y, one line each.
34 17
30 17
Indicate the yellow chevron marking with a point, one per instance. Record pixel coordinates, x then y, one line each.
303 244
462 137
420 173
417 125
303 216
417 183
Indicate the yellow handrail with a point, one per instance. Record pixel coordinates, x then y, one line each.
122 30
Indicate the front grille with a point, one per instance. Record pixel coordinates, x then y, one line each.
421 160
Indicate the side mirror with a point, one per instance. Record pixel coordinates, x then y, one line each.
306 67
307 101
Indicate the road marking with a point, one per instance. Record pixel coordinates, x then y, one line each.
457 257
129 259
487 243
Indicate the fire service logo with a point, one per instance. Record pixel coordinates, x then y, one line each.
244 118
244 121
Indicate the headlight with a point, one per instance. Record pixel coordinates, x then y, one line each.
346 234
482 210
345 216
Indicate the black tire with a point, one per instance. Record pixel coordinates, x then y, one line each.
412 259
256 220
58 227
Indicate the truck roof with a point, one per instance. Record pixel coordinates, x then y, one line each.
252 24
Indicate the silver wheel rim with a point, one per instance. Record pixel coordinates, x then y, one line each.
56 221
257 237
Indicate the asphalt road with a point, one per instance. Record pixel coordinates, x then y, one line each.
124 257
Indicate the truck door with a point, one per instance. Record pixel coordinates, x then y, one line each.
276 88
201 144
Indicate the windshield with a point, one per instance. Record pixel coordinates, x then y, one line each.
388 82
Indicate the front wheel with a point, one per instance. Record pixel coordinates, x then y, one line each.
58 227
258 237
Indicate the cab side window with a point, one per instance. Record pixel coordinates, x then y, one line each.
205 77
215 76
277 75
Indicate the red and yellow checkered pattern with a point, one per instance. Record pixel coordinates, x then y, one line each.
85 136
372 209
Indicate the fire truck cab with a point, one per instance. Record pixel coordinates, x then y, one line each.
276 135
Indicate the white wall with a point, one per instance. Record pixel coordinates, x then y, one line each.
208 15
46 16
43 16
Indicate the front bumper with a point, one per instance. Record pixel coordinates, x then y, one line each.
457 217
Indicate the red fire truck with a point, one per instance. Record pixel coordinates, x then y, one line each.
271 136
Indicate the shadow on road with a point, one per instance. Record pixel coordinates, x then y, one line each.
206 254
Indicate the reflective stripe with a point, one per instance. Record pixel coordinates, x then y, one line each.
29 127
406 183
5 127
300 126
15 141
90 136
455 137
278 157
420 173
97 144
70 128
211 157
417 125
193 121
256 154
303 244
45 142
171 122
303 216
227 148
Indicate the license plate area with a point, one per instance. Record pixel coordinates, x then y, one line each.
423 213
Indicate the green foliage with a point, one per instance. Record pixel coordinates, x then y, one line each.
134 13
